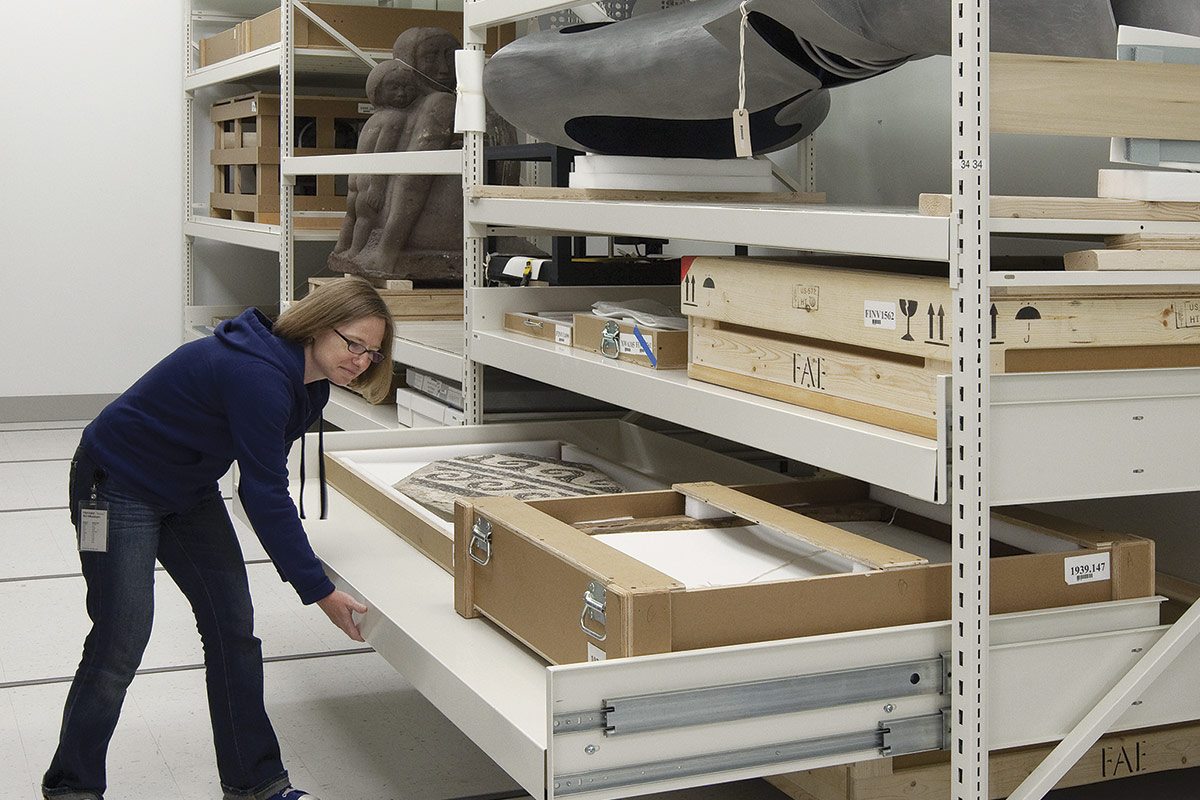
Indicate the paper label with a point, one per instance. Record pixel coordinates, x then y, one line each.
93 530
366 108
741 133
595 653
562 334
1086 569
806 297
629 345
1187 313
879 314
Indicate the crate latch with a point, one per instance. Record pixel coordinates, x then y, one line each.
594 600
480 546
610 340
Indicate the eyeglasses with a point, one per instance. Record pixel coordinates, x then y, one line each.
357 349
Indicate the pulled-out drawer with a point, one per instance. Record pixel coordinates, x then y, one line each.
367 469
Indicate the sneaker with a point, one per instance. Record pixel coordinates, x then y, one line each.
291 793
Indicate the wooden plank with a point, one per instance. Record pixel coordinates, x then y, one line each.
1153 241
1094 97
1135 260
848 545
1113 757
1019 207
641 196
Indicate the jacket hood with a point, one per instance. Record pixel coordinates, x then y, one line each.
250 334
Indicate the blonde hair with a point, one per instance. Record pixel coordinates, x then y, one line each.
333 304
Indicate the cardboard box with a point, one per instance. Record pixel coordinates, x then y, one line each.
657 348
551 326
541 570
226 44
870 345
367 27
640 459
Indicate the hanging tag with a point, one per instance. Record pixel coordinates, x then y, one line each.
741 133
93 527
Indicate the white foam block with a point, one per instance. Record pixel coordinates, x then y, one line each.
645 165
671 183
1138 184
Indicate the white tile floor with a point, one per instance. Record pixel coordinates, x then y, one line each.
351 728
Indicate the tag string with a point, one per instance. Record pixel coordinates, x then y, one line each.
742 55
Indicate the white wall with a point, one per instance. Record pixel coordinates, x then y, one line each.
90 215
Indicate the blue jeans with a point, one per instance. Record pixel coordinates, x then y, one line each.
199 550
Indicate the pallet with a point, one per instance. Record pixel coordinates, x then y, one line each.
927 776
1107 208
408 303
246 160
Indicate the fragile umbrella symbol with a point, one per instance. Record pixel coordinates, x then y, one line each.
909 309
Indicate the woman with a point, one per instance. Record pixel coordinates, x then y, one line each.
144 487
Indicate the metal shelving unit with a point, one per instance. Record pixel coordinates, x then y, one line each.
963 240
513 720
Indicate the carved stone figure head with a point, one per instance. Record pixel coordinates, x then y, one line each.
430 51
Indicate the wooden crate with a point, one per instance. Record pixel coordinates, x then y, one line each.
542 560
367 27
245 156
408 303
927 776
869 345
556 327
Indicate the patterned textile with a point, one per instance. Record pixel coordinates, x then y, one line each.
519 475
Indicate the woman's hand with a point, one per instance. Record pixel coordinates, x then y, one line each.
338 606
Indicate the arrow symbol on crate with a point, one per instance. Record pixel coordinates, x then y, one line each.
993 320
941 323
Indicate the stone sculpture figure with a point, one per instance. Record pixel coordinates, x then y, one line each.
407 226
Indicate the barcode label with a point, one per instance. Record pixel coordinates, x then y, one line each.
1086 569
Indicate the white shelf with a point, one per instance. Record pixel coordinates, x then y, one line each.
417 162
435 347
350 412
488 13
251 234
901 233
266 60
900 461
1088 227
1094 278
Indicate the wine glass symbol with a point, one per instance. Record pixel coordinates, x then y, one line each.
909 309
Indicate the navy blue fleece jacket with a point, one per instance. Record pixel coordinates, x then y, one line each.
237 395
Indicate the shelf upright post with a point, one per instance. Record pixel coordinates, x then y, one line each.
970 255
474 267
189 164
287 123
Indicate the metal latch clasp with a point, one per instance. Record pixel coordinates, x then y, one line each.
481 542
610 340
594 600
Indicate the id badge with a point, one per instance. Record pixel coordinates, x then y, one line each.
93 527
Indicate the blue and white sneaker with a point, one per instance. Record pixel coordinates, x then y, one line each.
291 793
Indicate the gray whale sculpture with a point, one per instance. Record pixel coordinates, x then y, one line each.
665 84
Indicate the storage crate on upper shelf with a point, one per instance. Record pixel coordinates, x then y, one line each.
246 157
409 303
367 27
870 345
658 572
